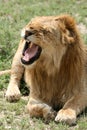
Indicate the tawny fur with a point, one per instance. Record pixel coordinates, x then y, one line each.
58 78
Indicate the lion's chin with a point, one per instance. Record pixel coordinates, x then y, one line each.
31 53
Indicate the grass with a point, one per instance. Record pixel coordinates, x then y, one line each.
14 15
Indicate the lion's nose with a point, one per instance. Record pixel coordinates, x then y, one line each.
28 33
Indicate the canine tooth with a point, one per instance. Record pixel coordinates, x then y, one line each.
27 40
31 44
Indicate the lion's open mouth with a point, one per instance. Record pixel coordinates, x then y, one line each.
31 53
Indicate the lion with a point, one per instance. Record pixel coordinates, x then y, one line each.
52 56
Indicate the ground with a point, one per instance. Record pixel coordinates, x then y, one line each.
13 116
14 15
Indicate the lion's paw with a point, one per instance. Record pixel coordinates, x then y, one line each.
12 93
67 116
50 116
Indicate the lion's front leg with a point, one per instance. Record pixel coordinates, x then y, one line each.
67 116
71 109
37 108
13 92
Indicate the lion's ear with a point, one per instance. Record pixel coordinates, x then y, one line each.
68 28
66 39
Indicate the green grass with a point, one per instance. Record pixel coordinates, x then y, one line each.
14 15
13 116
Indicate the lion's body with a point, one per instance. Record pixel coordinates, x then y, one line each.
58 77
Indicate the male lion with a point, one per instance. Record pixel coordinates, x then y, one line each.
53 59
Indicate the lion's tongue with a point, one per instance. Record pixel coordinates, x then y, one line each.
30 52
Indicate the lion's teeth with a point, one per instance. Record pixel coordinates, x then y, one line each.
31 44
27 40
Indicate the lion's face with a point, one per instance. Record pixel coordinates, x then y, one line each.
43 36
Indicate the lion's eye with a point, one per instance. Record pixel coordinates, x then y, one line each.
31 28
45 31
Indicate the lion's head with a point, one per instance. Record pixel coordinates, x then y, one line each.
45 36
